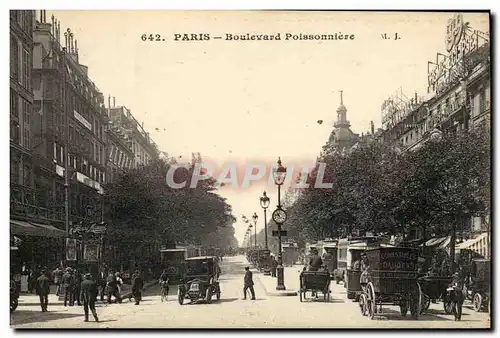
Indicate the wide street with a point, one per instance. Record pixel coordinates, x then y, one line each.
268 311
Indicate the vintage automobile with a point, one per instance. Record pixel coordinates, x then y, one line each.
479 290
201 280
14 296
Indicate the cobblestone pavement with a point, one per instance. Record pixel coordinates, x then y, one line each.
234 312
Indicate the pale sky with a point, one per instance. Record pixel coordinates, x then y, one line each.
255 100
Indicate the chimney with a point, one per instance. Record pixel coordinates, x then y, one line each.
114 101
372 127
53 25
109 101
58 37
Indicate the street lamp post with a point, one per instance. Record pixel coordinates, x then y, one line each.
255 218
279 217
264 203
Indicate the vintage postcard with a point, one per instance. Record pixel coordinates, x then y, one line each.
250 169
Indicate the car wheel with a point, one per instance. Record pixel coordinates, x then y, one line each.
209 295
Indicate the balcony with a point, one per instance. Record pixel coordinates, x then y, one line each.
35 213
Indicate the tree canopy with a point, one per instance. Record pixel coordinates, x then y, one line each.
145 212
377 188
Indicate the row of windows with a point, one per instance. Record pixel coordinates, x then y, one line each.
120 158
20 125
25 20
80 163
20 63
18 176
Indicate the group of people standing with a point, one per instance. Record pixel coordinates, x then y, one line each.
84 289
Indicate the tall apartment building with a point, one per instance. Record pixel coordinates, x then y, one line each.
137 139
70 113
458 98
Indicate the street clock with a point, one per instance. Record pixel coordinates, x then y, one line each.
279 216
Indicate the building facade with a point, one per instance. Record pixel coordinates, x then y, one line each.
119 151
21 106
137 139
458 99
71 120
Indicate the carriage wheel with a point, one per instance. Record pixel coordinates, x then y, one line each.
363 304
426 303
415 303
477 302
403 307
448 305
372 301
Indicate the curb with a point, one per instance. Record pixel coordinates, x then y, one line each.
283 293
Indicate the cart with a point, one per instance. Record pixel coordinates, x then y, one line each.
480 286
434 288
314 281
354 289
392 280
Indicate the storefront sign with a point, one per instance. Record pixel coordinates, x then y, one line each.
71 249
82 120
460 41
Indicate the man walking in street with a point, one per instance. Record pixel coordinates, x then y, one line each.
43 289
89 295
57 276
137 286
112 288
274 266
69 284
248 283
102 283
78 284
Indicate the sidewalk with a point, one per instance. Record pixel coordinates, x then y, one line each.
292 282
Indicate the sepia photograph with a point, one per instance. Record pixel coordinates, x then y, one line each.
306 169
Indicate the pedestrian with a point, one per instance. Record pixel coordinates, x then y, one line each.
119 283
274 266
69 284
57 277
112 288
43 290
89 295
248 283
77 290
137 286
102 283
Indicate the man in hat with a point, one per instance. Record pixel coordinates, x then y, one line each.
112 288
137 286
43 289
89 295
248 283
315 263
69 284
76 291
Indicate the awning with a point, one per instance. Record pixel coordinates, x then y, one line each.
50 231
445 243
435 241
470 242
35 229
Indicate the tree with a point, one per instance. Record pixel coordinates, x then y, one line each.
145 212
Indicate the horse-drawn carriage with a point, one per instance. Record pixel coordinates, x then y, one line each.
434 288
314 282
391 279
